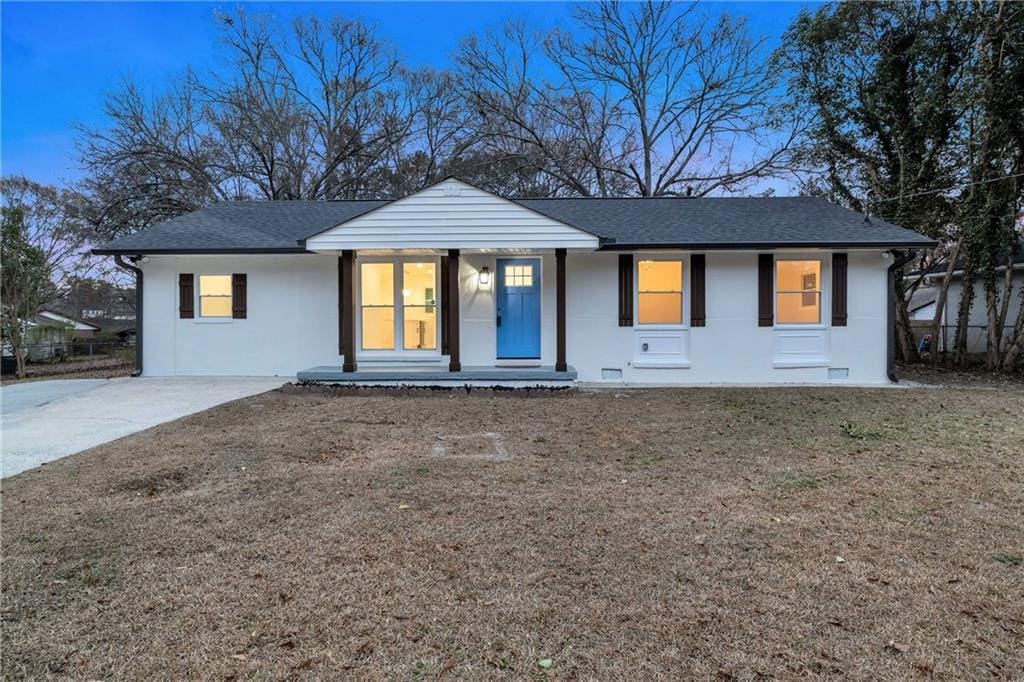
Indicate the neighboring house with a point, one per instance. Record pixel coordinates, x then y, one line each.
977 323
921 305
453 283
121 327
50 334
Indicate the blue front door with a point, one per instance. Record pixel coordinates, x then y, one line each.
518 307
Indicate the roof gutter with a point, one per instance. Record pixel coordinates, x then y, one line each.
137 271
753 246
135 251
899 260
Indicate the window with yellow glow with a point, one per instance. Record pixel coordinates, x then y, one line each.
377 296
798 291
214 295
518 275
419 307
398 302
660 292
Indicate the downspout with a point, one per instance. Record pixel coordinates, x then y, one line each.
138 308
899 260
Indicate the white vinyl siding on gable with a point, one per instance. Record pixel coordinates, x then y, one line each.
452 215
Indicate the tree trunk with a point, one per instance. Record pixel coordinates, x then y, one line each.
906 348
994 331
963 316
940 304
1016 344
904 334
18 348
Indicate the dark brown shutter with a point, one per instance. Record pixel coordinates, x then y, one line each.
444 305
626 290
186 296
698 314
765 279
839 261
239 285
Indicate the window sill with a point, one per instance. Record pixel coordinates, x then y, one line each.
660 364
214 320
801 364
385 357
660 327
781 327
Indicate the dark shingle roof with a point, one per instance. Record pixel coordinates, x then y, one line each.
750 222
272 226
724 222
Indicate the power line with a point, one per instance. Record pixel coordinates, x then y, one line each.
872 202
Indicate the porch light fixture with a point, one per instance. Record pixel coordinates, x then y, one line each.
485 276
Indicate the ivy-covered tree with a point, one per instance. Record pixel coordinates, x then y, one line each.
881 82
992 204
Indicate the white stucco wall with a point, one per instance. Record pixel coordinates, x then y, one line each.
731 348
292 322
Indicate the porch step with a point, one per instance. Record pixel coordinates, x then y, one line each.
544 375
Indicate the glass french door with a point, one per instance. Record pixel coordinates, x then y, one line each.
398 305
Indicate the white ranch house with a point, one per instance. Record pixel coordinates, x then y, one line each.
454 285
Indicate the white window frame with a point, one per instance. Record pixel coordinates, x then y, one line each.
824 288
198 303
684 259
398 351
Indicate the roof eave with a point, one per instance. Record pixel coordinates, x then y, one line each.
748 246
198 252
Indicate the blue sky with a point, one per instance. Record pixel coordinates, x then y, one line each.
58 59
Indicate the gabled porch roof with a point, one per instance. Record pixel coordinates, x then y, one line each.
452 215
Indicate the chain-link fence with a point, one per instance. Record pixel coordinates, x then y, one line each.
74 349
977 336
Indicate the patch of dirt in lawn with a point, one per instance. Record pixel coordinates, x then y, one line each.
975 376
710 533
100 368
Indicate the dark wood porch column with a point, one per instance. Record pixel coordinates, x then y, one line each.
560 364
452 294
347 309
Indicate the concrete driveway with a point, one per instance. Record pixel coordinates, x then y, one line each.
46 420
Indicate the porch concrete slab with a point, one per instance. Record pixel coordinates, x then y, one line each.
68 416
428 375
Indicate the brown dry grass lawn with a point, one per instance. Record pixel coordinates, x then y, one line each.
728 533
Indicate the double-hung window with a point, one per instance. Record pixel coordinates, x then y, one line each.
660 292
797 291
214 295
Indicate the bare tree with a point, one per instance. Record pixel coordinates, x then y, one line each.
651 99
695 99
308 111
558 130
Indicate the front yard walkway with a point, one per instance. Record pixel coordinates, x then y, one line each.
681 534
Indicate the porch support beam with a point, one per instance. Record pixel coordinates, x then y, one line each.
560 363
347 309
452 294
